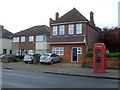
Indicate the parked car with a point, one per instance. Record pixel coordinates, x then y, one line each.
28 58
6 55
49 58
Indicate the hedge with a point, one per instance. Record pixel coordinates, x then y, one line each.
110 55
113 55
88 54
14 59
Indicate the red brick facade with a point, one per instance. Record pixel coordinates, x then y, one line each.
27 45
68 51
72 42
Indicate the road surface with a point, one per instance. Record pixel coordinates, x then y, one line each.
24 79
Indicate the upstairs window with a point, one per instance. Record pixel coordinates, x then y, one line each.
23 39
61 30
40 38
78 28
31 38
16 39
71 29
55 30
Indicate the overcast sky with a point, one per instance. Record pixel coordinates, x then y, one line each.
17 15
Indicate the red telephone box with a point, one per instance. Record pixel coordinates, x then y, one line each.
99 57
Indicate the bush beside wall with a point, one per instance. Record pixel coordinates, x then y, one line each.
109 55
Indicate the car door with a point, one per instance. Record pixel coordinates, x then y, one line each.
53 57
56 58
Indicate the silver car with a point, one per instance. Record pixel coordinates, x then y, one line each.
28 58
49 58
6 55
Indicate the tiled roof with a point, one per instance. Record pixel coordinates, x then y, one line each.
66 39
36 30
6 34
72 16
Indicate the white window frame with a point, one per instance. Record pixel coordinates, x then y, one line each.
31 38
15 52
23 39
79 50
71 29
78 28
58 50
42 51
15 39
61 30
40 38
55 30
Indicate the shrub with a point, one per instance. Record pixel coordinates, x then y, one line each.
88 54
14 59
113 55
110 55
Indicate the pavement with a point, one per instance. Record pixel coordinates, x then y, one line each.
63 68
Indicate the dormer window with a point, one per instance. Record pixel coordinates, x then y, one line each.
55 29
71 29
61 30
78 28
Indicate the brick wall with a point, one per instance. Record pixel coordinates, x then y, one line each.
27 45
68 51
5 59
109 62
92 36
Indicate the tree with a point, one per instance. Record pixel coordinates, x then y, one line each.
111 38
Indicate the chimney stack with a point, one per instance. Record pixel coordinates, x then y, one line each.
51 21
1 27
57 16
92 18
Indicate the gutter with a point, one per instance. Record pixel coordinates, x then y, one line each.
66 42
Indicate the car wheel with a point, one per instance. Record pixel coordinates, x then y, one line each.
51 62
26 61
41 62
60 59
32 62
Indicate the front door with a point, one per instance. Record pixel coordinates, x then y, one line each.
74 55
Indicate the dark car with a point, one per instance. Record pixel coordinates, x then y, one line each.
28 58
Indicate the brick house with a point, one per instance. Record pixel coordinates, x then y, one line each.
5 41
31 40
71 35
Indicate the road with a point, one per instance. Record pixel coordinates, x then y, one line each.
24 79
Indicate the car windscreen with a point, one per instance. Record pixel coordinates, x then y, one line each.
45 55
28 56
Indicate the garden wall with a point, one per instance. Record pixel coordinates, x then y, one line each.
109 62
